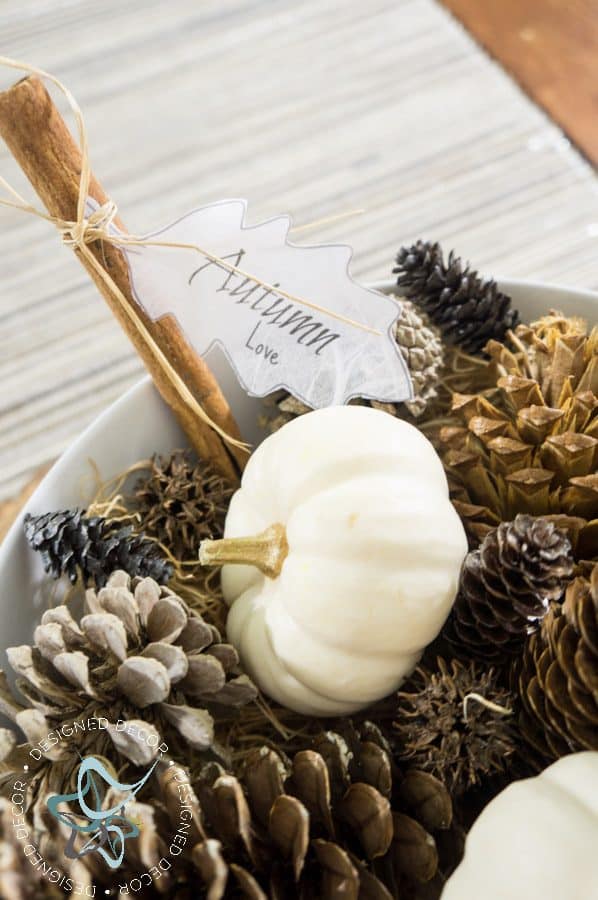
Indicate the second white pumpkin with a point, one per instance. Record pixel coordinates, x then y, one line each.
366 555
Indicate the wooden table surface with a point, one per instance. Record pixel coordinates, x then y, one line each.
551 48
305 107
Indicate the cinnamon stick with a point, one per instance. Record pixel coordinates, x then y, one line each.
42 144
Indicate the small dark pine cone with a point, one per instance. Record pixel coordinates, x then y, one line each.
507 586
558 677
468 310
71 544
456 722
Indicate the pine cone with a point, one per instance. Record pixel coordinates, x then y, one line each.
307 828
138 653
558 677
456 723
422 349
18 879
329 820
468 310
71 544
507 586
530 444
336 817
180 502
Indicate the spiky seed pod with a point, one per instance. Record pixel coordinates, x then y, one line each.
468 310
421 347
138 653
530 444
72 544
456 722
558 676
180 501
507 586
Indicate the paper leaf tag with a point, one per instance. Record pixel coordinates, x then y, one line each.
270 340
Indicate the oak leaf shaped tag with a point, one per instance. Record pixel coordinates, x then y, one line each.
286 316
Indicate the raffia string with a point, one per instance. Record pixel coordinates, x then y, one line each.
85 230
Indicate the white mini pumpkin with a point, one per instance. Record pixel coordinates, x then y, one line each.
537 840
358 567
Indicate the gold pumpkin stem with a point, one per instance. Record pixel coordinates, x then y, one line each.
266 551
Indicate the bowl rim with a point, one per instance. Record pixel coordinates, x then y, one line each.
506 284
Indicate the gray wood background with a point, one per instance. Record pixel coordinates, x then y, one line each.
311 107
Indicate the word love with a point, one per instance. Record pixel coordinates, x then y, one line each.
285 316
104 830
268 353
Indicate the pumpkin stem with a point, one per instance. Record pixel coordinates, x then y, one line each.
266 551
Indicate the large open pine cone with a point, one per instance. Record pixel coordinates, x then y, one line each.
468 310
138 653
530 444
507 586
335 821
331 822
19 878
558 679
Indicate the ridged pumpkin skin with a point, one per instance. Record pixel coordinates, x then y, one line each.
537 840
375 550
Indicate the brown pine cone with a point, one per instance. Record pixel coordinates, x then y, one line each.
331 819
529 442
507 586
335 818
558 678
18 880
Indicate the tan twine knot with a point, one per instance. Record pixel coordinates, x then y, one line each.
90 229
99 226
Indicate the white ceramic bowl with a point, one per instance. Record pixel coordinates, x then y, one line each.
140 424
